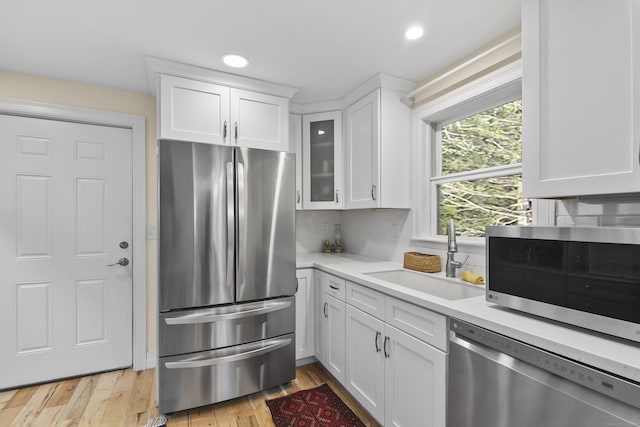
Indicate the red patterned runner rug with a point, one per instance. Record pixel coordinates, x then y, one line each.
316 407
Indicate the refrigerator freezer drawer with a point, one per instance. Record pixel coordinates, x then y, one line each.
212 376
188 331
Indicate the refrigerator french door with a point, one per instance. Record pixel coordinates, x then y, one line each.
226 272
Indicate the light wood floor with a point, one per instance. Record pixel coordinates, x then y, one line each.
127 398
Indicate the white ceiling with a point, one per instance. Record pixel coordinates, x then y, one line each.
326 48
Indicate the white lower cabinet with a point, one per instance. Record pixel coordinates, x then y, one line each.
399 379
415 381
330 323
305 308
335 339
365 361
319 318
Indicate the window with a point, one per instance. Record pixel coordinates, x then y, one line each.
476 170
478 174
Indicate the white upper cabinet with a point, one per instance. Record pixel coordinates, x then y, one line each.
322 166
378 152
581 96
202 105
295 137
259 120
192 110
363 143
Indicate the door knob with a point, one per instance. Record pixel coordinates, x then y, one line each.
122 261
124 245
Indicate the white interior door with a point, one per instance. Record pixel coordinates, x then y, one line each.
66 207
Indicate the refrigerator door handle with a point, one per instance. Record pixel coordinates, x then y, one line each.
272 346
242 225
215 315
230 226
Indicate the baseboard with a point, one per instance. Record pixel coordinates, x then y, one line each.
151 359
306 361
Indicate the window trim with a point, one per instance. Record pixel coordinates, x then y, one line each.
480 94
492 172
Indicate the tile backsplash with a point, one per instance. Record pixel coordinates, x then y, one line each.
386 233
605 211
383 234
313 227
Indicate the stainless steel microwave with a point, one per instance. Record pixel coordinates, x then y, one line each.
584 276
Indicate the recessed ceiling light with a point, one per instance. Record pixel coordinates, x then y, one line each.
235 61
413 33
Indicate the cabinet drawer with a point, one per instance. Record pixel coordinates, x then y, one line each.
419 322
366 299
334 286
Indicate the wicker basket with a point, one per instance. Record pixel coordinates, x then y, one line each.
422 262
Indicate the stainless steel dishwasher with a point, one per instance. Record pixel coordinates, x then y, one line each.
495 381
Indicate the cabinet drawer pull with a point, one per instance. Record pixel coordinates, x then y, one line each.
235 125
298 198
378 335
335 288
337 197
373 192
224 131
326 304
386 352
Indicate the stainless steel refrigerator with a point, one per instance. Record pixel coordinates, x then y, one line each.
226 273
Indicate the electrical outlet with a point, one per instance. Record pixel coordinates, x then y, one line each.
325 227
395 231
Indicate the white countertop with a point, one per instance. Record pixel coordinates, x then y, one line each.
601 351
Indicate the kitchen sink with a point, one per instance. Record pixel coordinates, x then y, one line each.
437 286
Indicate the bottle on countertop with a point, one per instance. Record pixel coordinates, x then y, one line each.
338 246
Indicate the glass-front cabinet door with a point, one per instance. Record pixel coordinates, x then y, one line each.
323 164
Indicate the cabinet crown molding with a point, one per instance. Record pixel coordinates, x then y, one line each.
379 81
157 66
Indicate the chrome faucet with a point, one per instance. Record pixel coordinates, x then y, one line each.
452 248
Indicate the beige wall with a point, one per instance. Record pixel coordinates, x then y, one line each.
507 48
39 89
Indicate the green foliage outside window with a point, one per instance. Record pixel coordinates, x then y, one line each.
488 139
